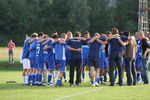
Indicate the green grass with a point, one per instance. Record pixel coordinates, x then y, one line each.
16 91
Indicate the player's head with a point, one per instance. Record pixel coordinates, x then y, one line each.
108 33
115 31
141 35
87 34
10 40
41 34
64 36
54 33
45 36
126 33
55 36
97 34
103 36
77 34
69 35
34 35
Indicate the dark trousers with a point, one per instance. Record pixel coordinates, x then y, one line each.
130 69
144 70
115 59
75 63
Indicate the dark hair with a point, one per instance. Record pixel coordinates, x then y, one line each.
126 33
108 32
55 36
115 31
40 34
87 32
77 34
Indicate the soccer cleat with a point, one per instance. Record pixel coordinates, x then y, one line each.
93 85
111 85
65 81
71 85
83 81
77 85
97 84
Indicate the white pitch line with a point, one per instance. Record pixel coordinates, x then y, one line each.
81 93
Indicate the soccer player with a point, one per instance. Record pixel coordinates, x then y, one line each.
129 58
93 57
60 46
145 54
26 61
115 56
11 46
85 52
39 58
138 59
49 60
32 52
76 58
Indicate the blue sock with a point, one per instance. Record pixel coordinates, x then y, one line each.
37 78
64 74
29 79
33 78
116 73
40 78
83 75
58 83
97 80
92 81
50 75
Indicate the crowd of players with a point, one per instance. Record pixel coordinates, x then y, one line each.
109 54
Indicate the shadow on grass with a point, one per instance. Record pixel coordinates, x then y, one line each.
10 67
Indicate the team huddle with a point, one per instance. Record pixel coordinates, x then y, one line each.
104 55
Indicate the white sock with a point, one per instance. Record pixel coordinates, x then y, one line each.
26 79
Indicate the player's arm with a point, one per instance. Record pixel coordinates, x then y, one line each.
91 40
47 47
73 49
31 41
121 42
101 42
62 42
55 41
146 52
80 38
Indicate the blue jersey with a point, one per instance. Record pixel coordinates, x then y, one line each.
25 53
94 48
39 52
139 50
85 51
48 54
33 51
68 54
60 51
75 43
115 46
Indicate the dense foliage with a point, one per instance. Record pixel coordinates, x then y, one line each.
21 17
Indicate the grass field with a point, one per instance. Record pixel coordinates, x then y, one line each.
16 91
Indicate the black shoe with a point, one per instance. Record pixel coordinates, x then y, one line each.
111 85
120 84
41 85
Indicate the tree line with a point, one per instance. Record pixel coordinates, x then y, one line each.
21 17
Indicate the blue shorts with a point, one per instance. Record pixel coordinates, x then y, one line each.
123 63
32 63
94 62
39 64
50 65
61 65
138 63
85 61
103 64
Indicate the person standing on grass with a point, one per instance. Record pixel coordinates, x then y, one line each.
60 46
11 46
145 54
115 56
26 61
131 46
76 42
93 57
